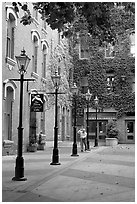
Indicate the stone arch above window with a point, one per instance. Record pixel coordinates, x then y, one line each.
35 36
8 83
45 45
11 12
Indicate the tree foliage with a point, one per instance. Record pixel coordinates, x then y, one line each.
64 15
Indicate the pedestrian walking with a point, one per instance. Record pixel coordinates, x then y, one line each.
83 136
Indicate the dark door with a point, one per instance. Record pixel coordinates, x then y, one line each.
101 129
8 114
130 131
33 126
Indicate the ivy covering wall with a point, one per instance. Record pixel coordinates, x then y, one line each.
97 67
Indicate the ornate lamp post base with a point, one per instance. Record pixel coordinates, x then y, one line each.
74 150
96 143
19 179
54 163
19 170
55 158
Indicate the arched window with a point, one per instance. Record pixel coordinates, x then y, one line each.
7 83
35 40
11 24
83 47
109 51
44 63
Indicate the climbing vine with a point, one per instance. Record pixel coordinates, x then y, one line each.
97 67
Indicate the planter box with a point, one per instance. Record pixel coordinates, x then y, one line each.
111 141
9 148
32 148
41 147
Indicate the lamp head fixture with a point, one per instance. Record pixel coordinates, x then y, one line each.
74 89
22 62
123 77
96 101
88 95
56 79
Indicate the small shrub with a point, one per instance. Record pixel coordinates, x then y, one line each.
112 131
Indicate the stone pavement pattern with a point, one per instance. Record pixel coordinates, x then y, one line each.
105 174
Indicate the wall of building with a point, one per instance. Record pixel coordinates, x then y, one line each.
23 38
92 73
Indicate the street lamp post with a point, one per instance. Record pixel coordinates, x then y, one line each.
55 156
88 97
22 61
74 90
96 137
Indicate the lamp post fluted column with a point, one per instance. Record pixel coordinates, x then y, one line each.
19 168
55 156
96 133
88 148
88 97
74 148
23 61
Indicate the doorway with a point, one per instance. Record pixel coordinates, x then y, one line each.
33 126
130 131
101 129
8 113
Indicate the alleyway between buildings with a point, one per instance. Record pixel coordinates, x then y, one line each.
105 174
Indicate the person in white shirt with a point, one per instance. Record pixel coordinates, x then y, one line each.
83 136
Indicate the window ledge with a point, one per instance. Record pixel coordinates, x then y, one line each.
35 21
83 58
109 57
35 75
43 80
10 63
44 30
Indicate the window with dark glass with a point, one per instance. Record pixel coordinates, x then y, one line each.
35 58
102 127
110 83
44 24
130 127
35 55
109 51
44 61
35 14
10 36
84 84
92 127
84 48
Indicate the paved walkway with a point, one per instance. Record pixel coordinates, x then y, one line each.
105 174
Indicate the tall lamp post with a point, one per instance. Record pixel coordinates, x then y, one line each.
55 157
96 136
74 90
23 62
88 97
